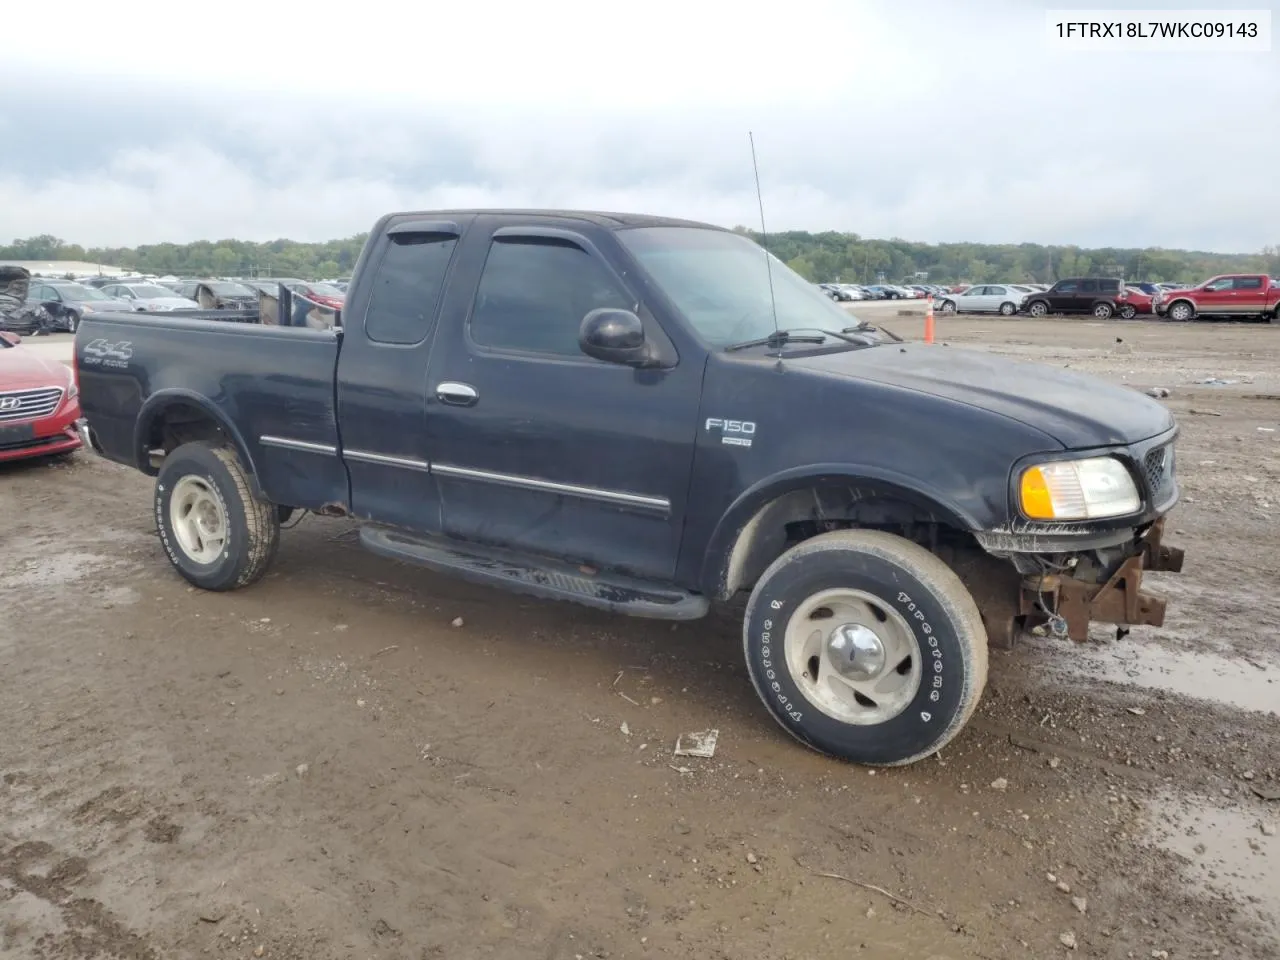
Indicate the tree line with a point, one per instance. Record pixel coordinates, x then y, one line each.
821 257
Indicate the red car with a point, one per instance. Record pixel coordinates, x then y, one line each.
39 403
1135 302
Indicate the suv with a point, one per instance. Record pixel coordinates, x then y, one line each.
1104 297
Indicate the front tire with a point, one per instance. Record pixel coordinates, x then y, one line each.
1038 309
215 532
948 306
1181 311
866 647
1128 311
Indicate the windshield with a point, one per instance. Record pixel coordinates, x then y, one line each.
149 291
228 289
720 282
78 294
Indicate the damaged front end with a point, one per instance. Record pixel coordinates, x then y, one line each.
1063 577
1065 591
1105 586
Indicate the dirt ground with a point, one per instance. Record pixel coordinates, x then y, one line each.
324 766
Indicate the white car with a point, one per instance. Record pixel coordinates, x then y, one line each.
1002 298
855 292
149 297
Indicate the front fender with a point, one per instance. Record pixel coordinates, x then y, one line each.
163 400
725 549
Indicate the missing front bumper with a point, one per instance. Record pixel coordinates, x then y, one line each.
1119 600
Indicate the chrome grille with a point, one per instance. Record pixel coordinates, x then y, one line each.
30 404
1158 467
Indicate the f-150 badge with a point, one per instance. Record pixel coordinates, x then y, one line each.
735 433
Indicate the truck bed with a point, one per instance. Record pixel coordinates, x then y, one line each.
282 386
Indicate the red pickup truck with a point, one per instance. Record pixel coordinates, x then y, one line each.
1233 295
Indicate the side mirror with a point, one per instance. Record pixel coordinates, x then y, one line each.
615 336
11 337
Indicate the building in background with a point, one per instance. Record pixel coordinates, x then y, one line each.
65 268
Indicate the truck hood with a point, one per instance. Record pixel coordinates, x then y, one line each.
1077 410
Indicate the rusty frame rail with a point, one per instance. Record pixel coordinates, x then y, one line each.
1120 600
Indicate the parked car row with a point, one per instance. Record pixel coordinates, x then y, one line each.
1235 295
54 304
880 291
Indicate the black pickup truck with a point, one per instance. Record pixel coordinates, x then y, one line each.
649 416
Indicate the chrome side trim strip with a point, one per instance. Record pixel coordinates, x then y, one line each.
529 483
289 444
383 459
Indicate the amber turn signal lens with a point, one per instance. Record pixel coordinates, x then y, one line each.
1036 501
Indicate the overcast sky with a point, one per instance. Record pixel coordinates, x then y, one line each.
924 119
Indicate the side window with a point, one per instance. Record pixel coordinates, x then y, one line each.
1219 285
534 293
997 291
975 292
1109 286
1248 283
406 288
1067 286
1088 286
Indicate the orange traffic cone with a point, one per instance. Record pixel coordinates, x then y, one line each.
928 319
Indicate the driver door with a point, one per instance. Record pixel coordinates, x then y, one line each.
536 446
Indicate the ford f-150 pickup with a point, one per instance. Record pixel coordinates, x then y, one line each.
651 415
1235 295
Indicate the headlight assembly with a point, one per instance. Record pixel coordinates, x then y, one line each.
1078 490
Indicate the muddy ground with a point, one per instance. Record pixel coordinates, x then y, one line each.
323 766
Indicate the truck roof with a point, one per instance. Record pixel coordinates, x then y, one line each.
600 218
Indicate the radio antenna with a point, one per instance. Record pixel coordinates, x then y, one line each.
764 234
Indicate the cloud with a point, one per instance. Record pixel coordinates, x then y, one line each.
924 120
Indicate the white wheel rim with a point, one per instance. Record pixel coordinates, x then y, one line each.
853 656
1038 309
198 519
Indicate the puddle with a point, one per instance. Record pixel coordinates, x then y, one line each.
1226 849
1246 684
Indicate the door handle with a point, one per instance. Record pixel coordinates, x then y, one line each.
458 394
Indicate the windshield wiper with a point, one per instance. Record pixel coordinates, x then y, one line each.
796 335
866 326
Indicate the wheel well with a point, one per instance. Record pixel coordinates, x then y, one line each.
800 514
180 423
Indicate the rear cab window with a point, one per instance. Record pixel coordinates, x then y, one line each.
407 285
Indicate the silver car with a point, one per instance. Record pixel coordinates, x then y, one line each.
149 297
1002 298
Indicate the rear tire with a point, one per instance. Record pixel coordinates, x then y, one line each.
215 532
1008 309
866 647
1102 311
